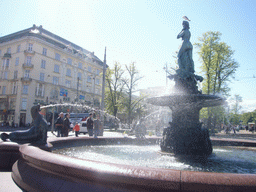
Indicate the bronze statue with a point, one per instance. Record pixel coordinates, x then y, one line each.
185 60
37 134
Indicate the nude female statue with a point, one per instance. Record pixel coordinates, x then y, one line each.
185 60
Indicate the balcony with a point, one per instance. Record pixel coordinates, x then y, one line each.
27 66
26 79
29 52
7 55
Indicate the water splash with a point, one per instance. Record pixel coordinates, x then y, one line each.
78 105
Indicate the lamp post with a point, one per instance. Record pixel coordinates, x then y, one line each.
55 97
93 93
77 88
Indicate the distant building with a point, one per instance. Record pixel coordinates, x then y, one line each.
153 91
40 67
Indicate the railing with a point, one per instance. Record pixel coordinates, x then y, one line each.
26 79
29 52
28 65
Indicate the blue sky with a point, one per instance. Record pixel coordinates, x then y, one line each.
145 31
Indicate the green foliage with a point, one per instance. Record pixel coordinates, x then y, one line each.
218 67
248 117
114 89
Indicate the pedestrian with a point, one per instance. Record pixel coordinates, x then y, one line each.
97 126
66 124
89 124
76 129
59 125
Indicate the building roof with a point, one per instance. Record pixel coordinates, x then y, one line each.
49 37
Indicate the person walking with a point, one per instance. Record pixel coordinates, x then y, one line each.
66 124
97 126
59 124
89 124
76 129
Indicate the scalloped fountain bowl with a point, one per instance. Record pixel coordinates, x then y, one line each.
200 100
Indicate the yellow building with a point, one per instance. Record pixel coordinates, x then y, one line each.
40 67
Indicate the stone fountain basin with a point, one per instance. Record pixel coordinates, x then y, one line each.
200 100
39 170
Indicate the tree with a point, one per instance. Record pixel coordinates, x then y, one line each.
130 83
218 67
114 89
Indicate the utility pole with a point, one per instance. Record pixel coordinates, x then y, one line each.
103 88
103 82
77 88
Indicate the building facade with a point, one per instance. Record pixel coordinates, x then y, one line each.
38 66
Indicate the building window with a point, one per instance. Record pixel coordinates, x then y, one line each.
41 76
97 71
24 104
80 65
9 50
43 62
12 103
97 81
56 68
6 63
89 68
5 74
68 72
15 74
69 61
39 90
25 89
54 94
28 60
14 88
18 48
30 47
4 90
26 74
55 80
57 56
68 83
89 78
44 51
89 89
17 60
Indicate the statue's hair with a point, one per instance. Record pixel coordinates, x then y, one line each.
186 24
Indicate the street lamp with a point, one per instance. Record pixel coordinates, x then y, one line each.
77 88
93 94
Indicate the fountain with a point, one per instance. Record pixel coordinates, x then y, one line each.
185 135
40 170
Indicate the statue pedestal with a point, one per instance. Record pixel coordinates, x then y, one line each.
185 135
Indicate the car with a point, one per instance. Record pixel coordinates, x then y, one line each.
83 127
79 118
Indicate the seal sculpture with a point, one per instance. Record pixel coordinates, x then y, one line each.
37 134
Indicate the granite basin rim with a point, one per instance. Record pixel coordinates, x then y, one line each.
88 173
